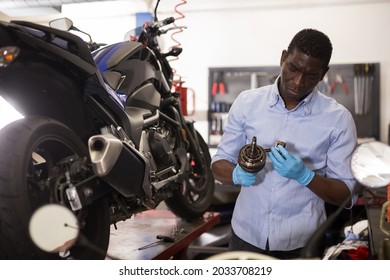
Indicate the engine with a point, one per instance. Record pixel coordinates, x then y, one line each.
161 151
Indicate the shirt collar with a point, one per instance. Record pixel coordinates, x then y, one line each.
306 103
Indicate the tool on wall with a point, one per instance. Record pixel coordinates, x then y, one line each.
219 86
363 83
218 124
339 80
324 85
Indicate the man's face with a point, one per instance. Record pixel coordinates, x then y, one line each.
299 76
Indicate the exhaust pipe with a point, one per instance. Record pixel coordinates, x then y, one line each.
118 164
104 151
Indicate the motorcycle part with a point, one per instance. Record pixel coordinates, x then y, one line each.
160 150
195 194
118 164
7 55
276 146
252 157
32 152
54 228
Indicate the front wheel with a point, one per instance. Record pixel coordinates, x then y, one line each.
31 151
193 198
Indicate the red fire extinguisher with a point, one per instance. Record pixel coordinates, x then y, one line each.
187 98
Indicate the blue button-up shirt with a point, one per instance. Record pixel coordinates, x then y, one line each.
319 130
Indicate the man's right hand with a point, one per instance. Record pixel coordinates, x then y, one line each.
243 178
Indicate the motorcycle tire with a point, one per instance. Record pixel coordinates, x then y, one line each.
196 193
23 188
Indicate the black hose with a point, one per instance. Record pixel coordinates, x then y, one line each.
314 248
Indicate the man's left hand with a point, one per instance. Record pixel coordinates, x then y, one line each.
290 166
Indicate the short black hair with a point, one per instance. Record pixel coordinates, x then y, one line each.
312 42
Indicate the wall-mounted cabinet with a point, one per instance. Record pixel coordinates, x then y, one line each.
356 86
225 84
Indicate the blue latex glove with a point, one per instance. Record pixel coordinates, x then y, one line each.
290 166
243 178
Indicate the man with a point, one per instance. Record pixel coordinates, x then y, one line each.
280 207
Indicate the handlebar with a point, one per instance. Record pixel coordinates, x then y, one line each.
168 21
94 46
170 29
152 30
154 26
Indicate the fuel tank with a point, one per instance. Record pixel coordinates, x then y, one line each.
134 72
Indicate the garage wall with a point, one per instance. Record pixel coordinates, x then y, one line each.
256 37
252 36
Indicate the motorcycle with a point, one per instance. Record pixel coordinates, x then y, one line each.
102 133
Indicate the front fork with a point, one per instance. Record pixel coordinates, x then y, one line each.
186 128
194 142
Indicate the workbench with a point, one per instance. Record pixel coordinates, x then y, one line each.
377 238
127 240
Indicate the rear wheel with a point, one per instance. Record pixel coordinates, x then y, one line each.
30 152
194 196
